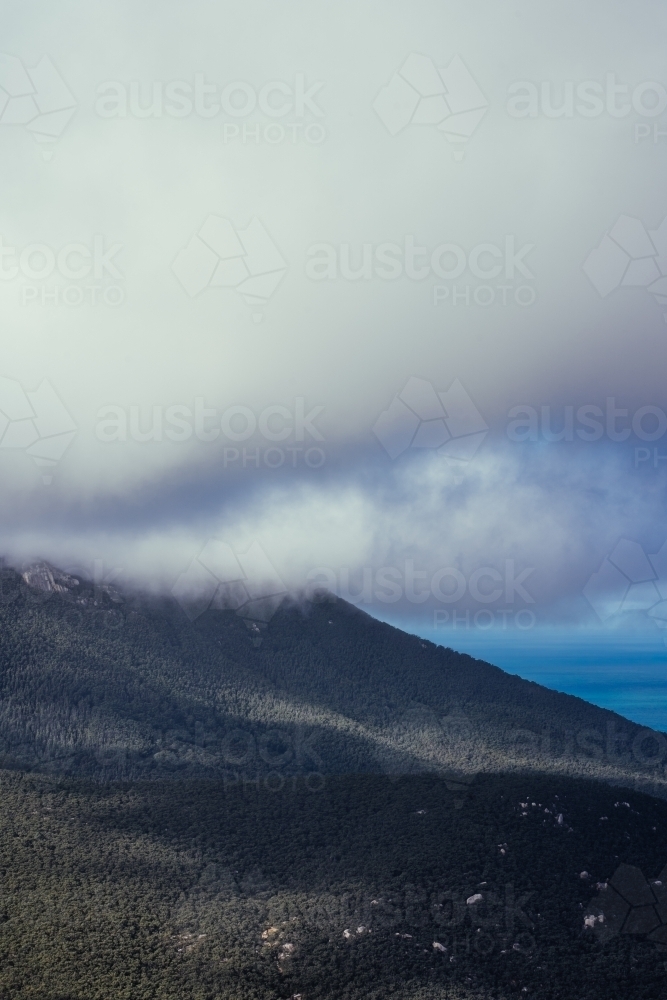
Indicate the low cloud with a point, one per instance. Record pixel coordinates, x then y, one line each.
518 529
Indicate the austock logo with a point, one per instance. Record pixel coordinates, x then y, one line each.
586 99
446 98
421 418
271 760
646 749
222 579
630 256
238 100
447 585
80 273
37 98
629 904
420 742
36 422
455 922
220 256
446 262
629 580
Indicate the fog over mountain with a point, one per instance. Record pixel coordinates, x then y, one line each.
516 252
333 459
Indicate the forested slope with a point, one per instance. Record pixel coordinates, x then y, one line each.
126 686
363 888
339 811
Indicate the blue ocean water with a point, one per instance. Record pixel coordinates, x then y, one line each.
620 670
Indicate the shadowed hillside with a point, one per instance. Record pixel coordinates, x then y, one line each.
364 889
120 686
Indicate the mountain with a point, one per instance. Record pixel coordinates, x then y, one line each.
316 806
360 889
111 685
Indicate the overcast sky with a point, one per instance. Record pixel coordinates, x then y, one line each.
247 229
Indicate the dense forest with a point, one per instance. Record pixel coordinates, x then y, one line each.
126 687
365 888
324 807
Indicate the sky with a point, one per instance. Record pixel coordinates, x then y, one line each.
379 292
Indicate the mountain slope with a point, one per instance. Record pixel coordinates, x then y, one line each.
365 889
325 807
110 685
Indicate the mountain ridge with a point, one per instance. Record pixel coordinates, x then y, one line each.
123 685
339 810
